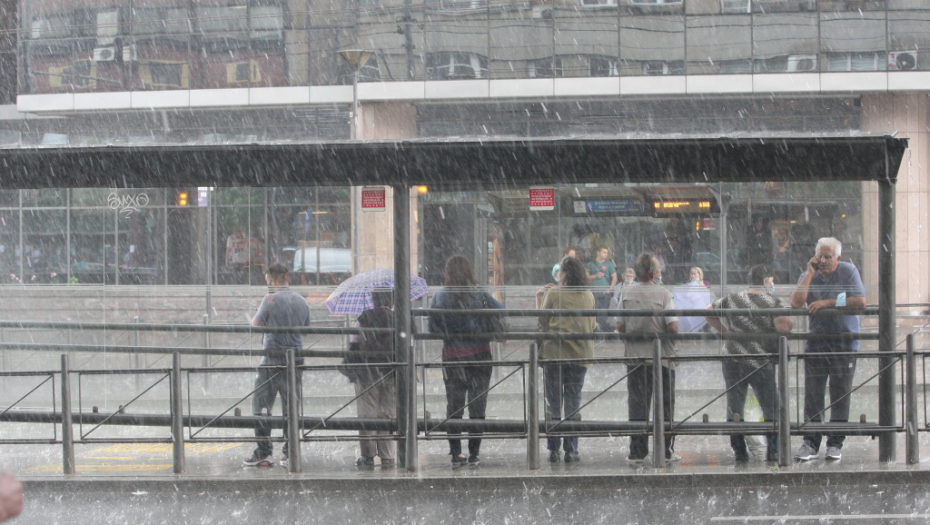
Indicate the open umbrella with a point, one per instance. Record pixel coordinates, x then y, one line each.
353 296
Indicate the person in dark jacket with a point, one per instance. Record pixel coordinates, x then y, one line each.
375 385
465 378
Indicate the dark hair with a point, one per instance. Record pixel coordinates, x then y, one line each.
276 271
645 267
568 249
381 297
759 273
460 275
573 272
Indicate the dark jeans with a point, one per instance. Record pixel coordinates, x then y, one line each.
602 302
764 387
466 385
563 391
264 397
639 387
839 371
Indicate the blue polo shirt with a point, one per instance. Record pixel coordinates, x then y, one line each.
845 279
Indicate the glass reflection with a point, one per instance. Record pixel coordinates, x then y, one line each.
719 44
588 42
785 43
521 42
853 42
652 45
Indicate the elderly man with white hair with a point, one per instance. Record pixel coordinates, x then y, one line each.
828 283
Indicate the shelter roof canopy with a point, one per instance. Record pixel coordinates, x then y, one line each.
496 163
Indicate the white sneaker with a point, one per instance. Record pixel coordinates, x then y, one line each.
806 453
833 453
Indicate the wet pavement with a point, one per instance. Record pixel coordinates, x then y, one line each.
134 484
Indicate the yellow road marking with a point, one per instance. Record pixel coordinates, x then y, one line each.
102 468
132 452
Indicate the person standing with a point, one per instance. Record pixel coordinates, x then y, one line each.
647 295
602 275
283 308
757 373
375 386
564 381
465 376
11 496
828 283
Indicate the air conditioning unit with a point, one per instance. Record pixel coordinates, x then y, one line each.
801 63
902 60
104 54
130 54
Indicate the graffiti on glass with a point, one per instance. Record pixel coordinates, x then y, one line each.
127 204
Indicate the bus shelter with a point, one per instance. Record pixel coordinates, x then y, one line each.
500 165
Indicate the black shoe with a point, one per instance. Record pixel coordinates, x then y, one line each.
388 463
258 460
742 456
365 462
554 456
572 457
459 461
473 460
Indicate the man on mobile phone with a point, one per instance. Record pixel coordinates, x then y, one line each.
828 283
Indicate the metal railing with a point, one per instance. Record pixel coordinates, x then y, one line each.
529 427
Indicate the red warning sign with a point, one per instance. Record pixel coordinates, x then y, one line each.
373 198
542 199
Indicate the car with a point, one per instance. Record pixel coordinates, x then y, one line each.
335 264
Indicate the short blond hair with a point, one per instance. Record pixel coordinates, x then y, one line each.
699 271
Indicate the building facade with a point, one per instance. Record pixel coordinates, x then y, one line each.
173 72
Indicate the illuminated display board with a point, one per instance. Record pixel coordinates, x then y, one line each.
665 206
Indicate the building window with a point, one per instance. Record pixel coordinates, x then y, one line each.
604 67
550 67
456 66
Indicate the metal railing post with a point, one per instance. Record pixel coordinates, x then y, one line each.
405 357
532 409
177 415
911 438
206 357
658 404
293 411
784 412
67 430
137 357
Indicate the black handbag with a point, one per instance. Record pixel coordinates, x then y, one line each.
490 324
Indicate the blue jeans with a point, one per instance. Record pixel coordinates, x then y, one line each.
563 392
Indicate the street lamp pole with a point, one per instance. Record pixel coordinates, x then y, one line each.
356 58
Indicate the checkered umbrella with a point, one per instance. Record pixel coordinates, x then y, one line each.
353 296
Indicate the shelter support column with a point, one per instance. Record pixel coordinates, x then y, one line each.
374 231
406 357
886 318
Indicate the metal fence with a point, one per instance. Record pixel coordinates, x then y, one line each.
411 426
